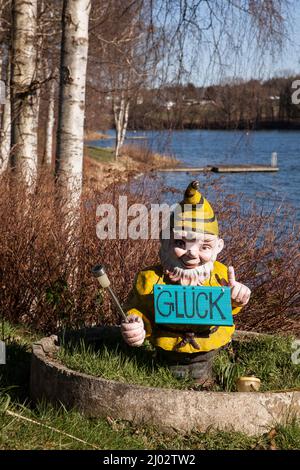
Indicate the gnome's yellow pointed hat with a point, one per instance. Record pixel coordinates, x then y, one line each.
194 213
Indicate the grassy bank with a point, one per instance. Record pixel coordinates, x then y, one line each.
24 426
101 169
145 158
101 155
268 358
95 135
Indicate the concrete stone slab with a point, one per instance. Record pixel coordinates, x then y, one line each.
167 409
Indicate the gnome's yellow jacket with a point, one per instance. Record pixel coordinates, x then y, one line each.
141 302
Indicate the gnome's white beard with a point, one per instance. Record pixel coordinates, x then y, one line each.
190 277
185 277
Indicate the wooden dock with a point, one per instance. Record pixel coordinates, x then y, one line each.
186 170
242 168
223 169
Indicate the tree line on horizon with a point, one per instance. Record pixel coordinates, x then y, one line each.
233 104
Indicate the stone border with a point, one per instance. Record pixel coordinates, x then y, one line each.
167 409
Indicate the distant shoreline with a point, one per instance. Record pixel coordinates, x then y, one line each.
261 126
95 135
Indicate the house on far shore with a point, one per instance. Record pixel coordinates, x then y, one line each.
170 104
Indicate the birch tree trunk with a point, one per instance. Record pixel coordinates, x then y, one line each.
119 111
24 89
125 123
50 125
121 114
69 152
5 135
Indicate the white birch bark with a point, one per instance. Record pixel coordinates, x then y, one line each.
69 152
24 89
125 123
50 123
121 114
5 137
119 111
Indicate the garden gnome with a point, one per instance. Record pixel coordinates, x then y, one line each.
188 257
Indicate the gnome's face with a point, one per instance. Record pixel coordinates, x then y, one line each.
189 260
195 252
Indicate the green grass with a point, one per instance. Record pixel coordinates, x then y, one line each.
17 433
120 362
14 376
102 155
268 358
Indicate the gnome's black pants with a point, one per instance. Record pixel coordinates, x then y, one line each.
197 366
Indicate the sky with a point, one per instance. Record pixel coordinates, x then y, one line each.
290 58
246 62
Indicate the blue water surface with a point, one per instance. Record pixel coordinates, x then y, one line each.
198 148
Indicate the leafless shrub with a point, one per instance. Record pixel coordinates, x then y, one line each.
263 246
45 266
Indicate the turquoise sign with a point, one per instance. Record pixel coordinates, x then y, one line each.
192 305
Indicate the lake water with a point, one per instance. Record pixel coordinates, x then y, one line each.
197 148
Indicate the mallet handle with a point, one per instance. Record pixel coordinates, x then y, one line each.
124 317
99 273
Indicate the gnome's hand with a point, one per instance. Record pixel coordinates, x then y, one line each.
240 294
133 332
